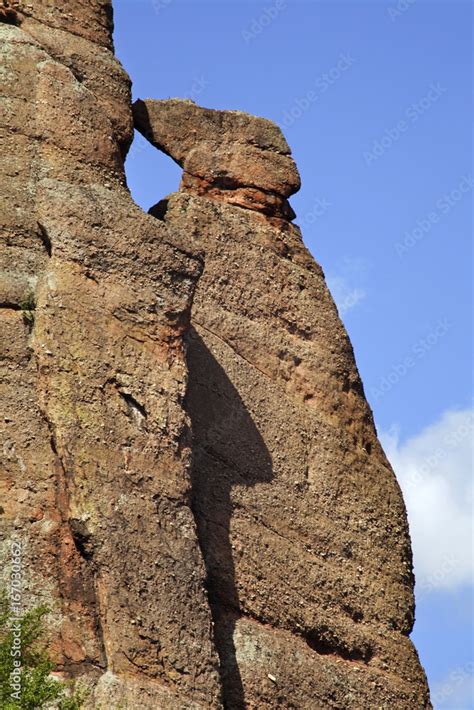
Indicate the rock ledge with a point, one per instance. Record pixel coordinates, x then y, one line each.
228 156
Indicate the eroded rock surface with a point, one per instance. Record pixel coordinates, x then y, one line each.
263 562
300 518
95 297
227 155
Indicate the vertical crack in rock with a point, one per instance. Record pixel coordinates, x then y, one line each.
45 240
76 579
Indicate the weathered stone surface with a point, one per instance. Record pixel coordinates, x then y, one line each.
95 466
265 562
227 155
95 68
91 19
300 518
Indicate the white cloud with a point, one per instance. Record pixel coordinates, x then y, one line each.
456 690
345 284
434 470
344 295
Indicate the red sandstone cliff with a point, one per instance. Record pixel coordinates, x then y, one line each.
187 452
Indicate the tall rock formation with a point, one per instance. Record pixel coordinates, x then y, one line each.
188 458
95 301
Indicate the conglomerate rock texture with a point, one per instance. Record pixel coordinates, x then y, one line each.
188 458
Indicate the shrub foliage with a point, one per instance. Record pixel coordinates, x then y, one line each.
30 687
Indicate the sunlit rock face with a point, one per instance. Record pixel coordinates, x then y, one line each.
188 458
96 299
228 156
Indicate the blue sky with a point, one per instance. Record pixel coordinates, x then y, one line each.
375 101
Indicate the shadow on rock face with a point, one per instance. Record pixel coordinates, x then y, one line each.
228 450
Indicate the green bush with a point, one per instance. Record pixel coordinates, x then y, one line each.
28 309
38 689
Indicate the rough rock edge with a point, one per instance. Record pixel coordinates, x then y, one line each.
228 156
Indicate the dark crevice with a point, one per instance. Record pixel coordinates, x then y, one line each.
159 210
132 403
78 75
322 642
89 275
44 236
9 16
10 306
53 445
26 308
355 386
82 538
